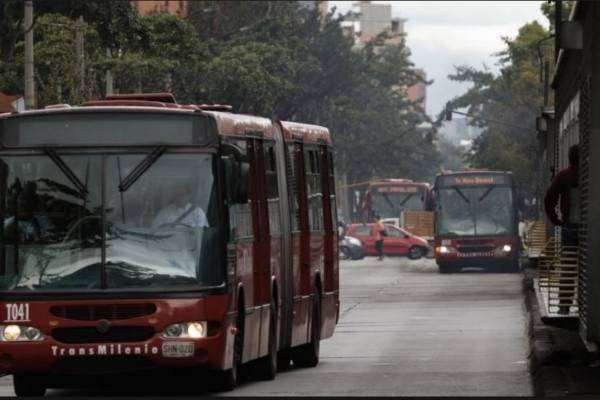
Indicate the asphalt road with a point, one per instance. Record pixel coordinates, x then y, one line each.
406 330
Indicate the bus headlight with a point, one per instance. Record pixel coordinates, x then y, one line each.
507 248
16 333
446 250
192 330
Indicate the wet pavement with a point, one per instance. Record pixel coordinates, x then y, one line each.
406 330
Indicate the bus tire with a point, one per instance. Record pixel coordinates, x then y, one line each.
514 267
267 365
29 385
447 269
284 359
231 377
307 355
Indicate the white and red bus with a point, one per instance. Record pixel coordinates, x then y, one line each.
144 234
476 221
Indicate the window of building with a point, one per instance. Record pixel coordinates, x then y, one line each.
568 131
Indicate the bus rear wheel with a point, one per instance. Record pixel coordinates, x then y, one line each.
29 385
307 355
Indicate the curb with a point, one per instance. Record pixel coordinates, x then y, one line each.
559 363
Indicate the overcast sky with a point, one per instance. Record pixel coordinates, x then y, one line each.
442 34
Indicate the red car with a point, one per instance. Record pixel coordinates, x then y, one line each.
398 242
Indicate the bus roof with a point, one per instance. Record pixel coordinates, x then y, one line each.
399 182
306 132
474 172
227 122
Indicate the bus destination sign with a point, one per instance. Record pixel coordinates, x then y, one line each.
468 180
397 189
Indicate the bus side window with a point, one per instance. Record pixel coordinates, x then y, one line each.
272 190
240 215
332 193
314 190
293 186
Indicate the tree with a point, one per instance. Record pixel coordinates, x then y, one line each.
278 59
512 97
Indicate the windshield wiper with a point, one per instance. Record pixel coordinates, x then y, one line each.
67 171
461 194
486 193
406 199
385 196
142 167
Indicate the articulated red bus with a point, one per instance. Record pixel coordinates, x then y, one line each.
476 221
139 233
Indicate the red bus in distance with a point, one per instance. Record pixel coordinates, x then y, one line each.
143 234
476 221
399 202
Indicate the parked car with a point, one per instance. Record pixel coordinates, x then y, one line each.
351 248
398 242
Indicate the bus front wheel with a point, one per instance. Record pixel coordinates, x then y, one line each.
231 377
29 385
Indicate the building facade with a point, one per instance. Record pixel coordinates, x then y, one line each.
368 20
576 120
174 7
10 103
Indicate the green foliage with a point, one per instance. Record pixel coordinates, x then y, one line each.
548 9
272 58
513 97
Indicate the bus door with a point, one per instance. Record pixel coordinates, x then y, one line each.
261 265
301 161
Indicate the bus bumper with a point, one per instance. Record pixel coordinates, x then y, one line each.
78 354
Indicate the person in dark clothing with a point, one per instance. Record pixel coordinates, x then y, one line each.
379 233
564 190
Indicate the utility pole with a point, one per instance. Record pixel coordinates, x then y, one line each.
80 56
29 79
109 77
557 27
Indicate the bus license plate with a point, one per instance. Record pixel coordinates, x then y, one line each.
178 349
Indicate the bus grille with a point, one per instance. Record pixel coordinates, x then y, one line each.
103 311
475 249
90 334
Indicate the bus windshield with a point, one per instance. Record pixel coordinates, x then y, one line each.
112 221
482 210
391 204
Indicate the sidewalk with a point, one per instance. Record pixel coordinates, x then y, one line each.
559 363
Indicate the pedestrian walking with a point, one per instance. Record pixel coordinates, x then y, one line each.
379 234
564 190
